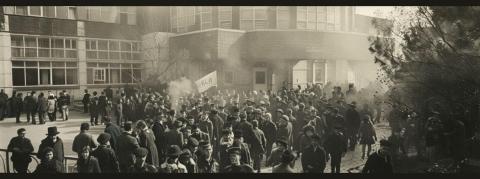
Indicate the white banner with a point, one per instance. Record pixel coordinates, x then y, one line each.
204 83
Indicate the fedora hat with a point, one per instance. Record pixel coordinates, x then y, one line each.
174 151
52 131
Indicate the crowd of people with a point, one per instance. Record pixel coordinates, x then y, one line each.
222 132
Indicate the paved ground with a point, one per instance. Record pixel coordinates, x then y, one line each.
68 130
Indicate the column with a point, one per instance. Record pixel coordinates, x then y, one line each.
82 56
6 82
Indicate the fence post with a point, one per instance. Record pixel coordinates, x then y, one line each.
7 160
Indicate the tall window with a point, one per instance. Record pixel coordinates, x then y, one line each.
206 20
43 47
253 17
319 72
321 17
301 17
113 73
35 10
283 17
128 15
182 18
330 18
32 73
311 17
112 49
225 17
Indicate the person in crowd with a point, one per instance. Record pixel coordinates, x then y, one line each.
21 148
158 129
336 147
238 141
380 161
83 139
275 157
270 130
236 166
140 165
171 164
352 119
187 160
102 104
206 163
199 134
225 143
86 101
314 157
64 104
258 149
114 131
42 108
285 165
94 109
48 164
147 140
306 137
173 136
107 159
31 106
87 163
53 141
17 106
285 129
126 145
367 134
51 108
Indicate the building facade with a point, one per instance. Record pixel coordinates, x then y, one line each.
51 48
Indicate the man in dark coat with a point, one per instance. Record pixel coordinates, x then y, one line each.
247 130
17 106
353 121
31 106
173 136
336 147
109 93
285 165
218 123
114 131
199 135
86 101
206 162
106 156
126 145
238 141
314 157
147 140
83 139
236 166
285 129
205 124
380 161
158 129
140 165
3 104
54 142
94 109
21 147
258 149
102 105
42 108
270 130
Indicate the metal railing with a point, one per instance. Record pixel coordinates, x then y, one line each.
6 161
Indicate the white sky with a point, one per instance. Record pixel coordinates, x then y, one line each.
370 10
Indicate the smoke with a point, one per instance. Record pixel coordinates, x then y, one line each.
179 88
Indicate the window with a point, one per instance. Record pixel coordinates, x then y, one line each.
330 18
35 10
30 73
321 18
62 12
225 17
182 18
246 18
301 17
283 17
21 10
113 73
311 17
228 77
99 74
72 13
253 17
319 72
206 17
43 47
112 49
260 77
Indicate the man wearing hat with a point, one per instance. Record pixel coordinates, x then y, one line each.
114 131
174 136
105 155
336 147
206 162
247 130
172 165
31 106
238 141
258 148
236 166
285 165
314 157
140 166
352 119
83 139
275 158
218 123
205 124
279 114
126 146
21 147
285 129
380 161
54 142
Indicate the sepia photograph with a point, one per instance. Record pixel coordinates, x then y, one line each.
239 89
